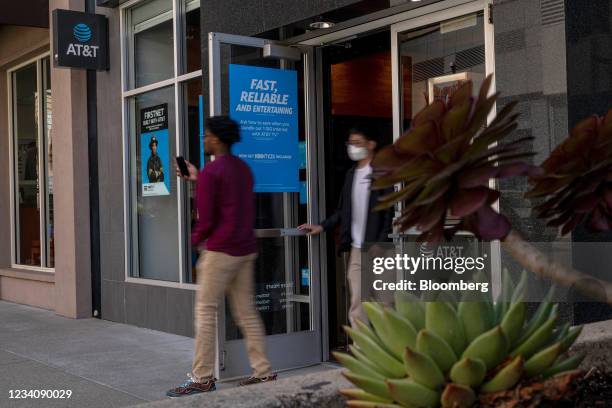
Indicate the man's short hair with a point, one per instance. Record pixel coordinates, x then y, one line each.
369 136
225 128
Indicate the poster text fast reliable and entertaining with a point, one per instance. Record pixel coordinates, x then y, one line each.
264 92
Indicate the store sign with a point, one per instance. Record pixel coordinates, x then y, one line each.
155 170
265 103
80 40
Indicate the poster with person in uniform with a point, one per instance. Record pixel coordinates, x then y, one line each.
155 159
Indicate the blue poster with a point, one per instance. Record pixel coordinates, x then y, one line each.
201 123
302 149
154 151
305 277
303 193
265 103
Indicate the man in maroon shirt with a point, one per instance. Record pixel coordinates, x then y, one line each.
226 216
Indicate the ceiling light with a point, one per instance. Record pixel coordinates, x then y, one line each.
321 24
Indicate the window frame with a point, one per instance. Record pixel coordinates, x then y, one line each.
41 164
177 81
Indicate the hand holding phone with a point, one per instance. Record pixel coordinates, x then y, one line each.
186 170
182 166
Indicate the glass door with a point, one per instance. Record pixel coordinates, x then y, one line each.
432 55
287 271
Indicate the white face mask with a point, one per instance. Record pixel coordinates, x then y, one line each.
357 153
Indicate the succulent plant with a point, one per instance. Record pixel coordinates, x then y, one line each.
443 353
577 178
445 162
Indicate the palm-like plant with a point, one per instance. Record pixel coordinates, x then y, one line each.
445 353
575 182
447 159
577 178
445 163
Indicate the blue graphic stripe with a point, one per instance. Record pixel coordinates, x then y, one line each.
82 32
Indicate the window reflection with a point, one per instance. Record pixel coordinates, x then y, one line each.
25 128
155 233
194 153
47 113
33 172
193 51
151 45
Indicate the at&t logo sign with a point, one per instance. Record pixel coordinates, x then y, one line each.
82 33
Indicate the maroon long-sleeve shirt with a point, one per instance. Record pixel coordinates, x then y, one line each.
226 207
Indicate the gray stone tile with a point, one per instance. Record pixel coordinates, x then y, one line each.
104 204
157 311
536 70
508 15
533 36
511 72
116 223
180 303
113 305
135 304
116 257
112 261
531 12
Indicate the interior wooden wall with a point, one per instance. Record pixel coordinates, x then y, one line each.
362 86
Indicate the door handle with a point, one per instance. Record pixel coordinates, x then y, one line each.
278 232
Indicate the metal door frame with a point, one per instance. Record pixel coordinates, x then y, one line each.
399 21
303 340
435 16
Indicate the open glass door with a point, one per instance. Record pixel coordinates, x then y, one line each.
287 271
432 55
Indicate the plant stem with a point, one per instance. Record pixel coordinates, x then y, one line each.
535 261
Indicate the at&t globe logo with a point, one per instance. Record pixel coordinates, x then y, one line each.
82 33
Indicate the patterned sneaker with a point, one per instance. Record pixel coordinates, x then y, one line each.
190 387
256 380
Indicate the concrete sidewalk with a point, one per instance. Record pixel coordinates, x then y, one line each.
104 364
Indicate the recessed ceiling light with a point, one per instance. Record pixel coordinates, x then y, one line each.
321 24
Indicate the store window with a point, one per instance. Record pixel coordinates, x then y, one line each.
151 45
30 119
163 120
191 35
436 59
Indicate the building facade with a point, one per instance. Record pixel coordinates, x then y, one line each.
83 238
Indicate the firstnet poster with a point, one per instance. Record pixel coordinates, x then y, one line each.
154 149
264 101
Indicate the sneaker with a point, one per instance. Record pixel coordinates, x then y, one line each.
257 380
190 387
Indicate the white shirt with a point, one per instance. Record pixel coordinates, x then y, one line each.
360 197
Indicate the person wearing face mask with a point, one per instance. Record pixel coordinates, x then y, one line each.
358 223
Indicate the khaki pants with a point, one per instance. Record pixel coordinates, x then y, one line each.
354 282
219 273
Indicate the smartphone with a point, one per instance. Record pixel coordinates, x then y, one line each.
182 165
